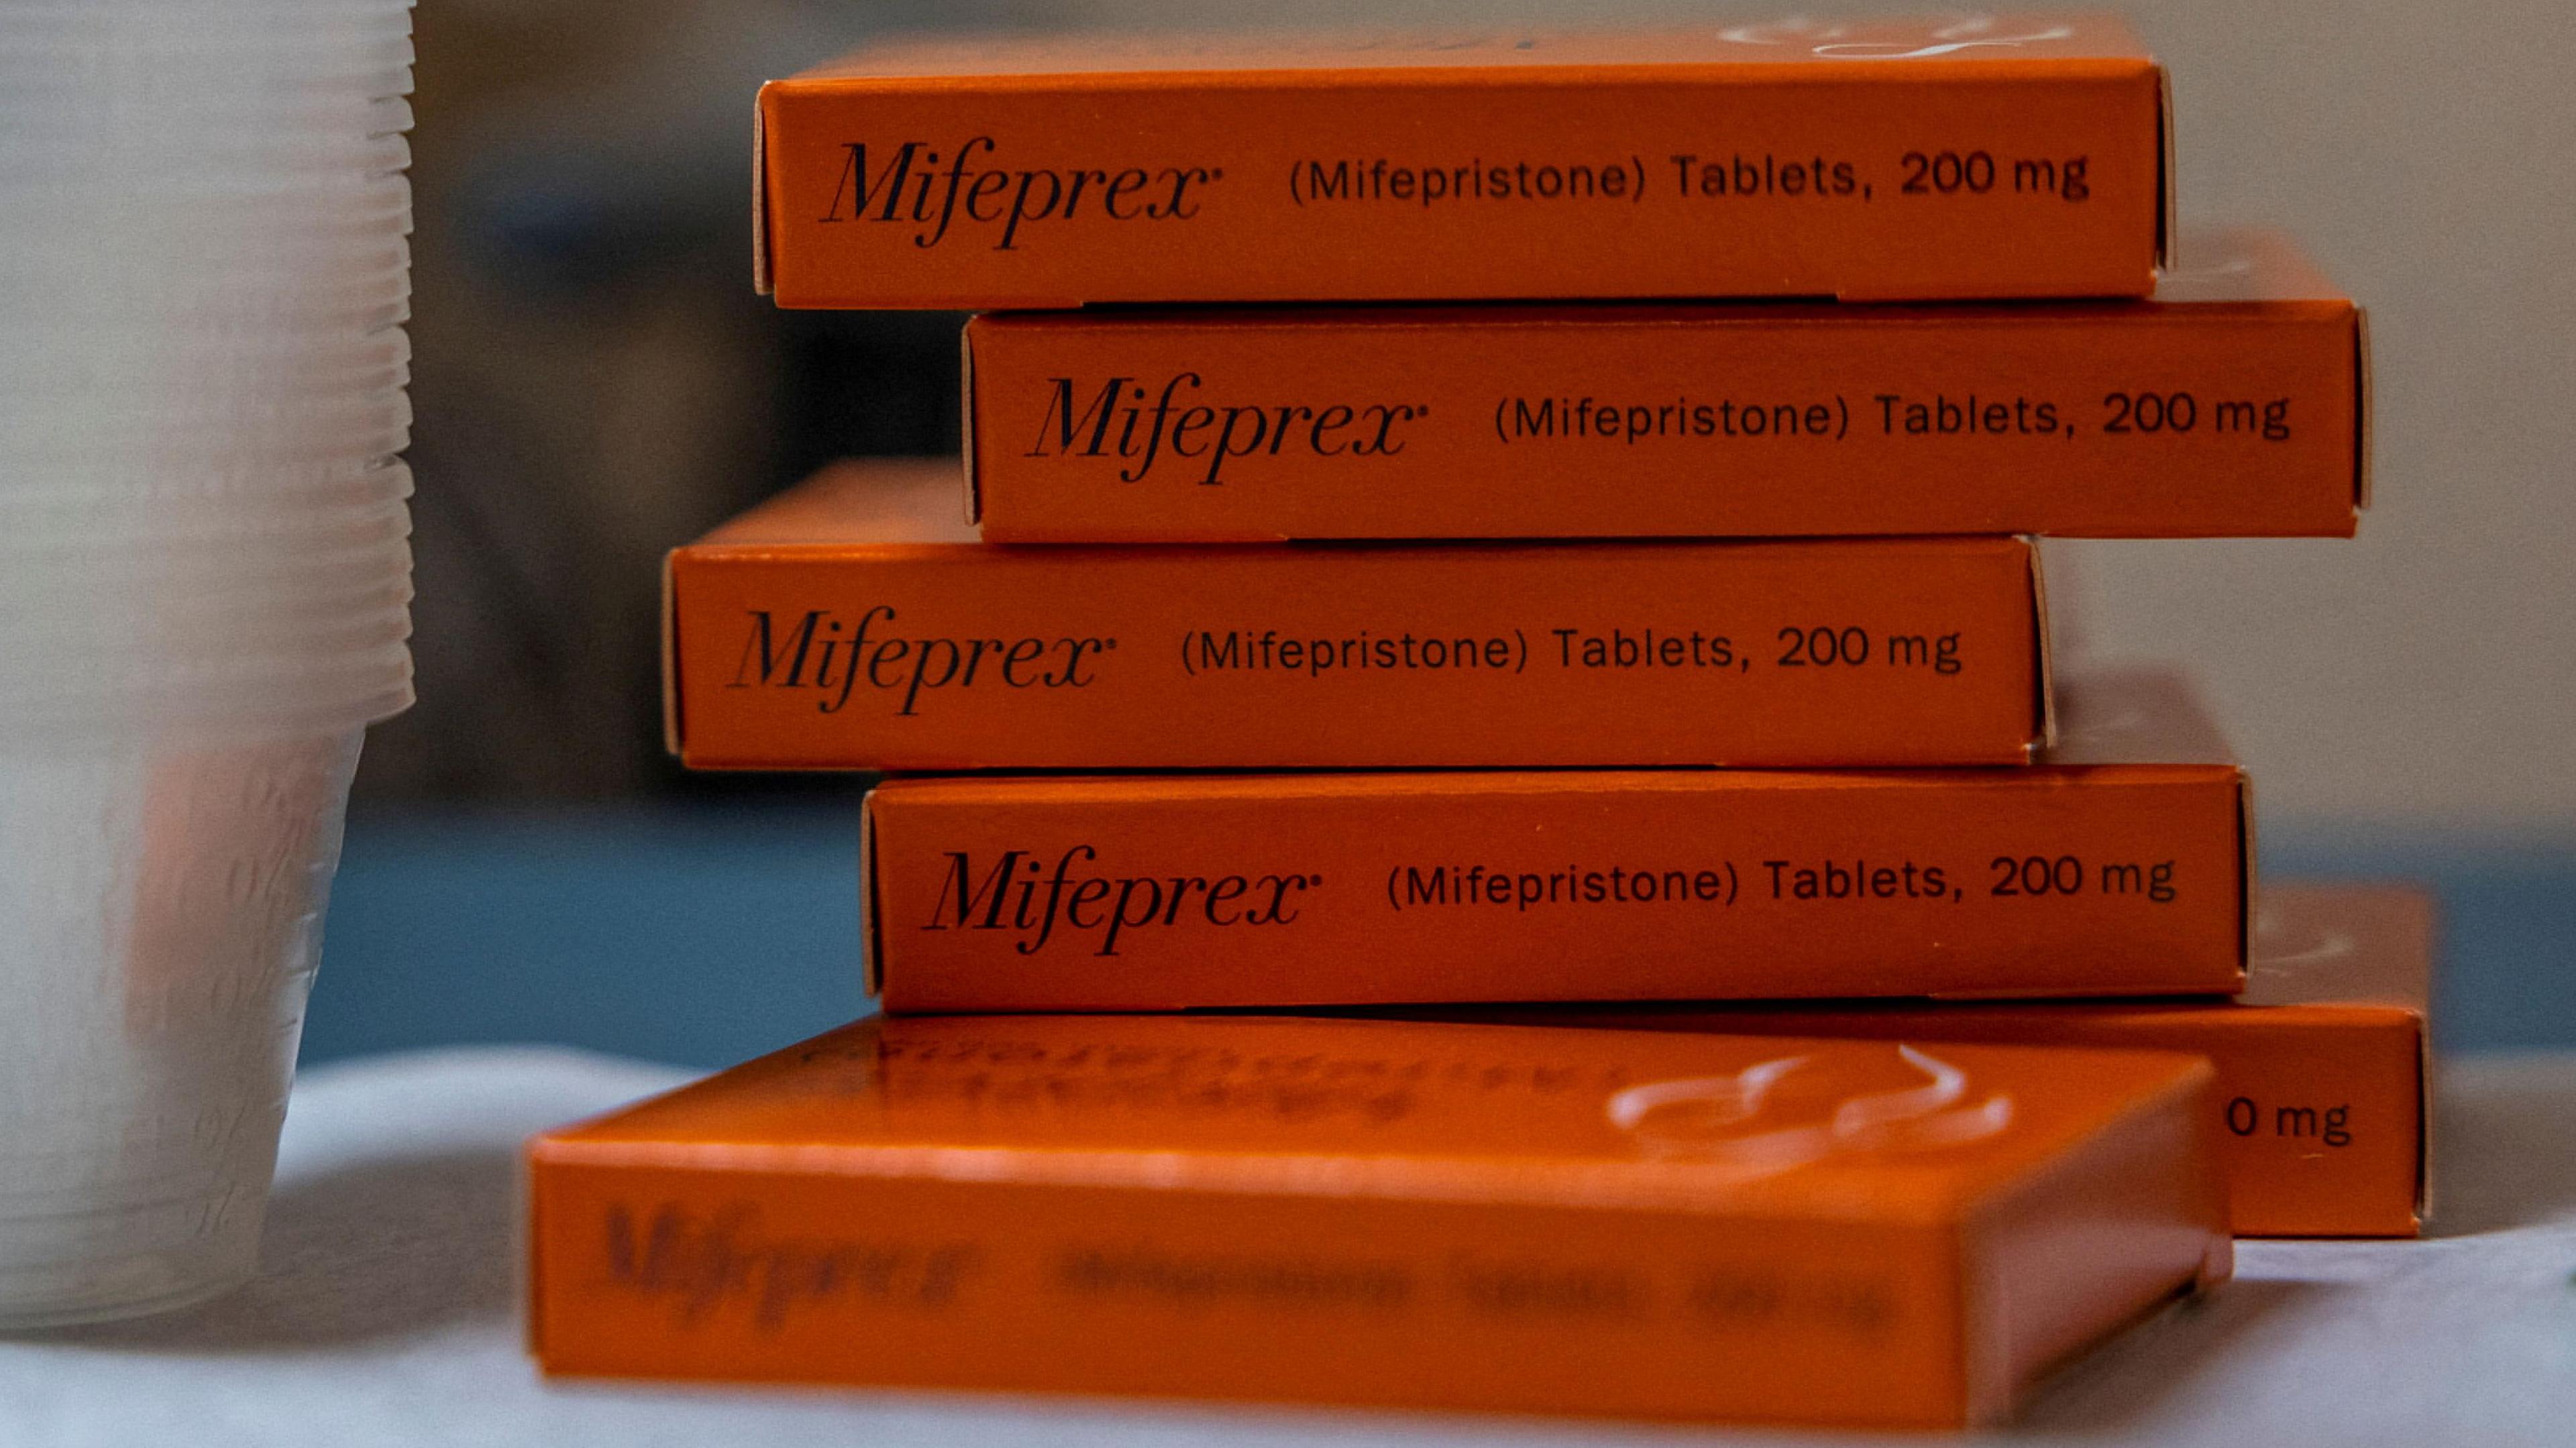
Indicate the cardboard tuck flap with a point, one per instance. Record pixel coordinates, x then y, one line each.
2044 703
760 192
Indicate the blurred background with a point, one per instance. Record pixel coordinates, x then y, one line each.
595 382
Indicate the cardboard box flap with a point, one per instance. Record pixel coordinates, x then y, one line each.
2169 207
760 190
671 732
2046 714
871 927
2363 408
966 423
2143 715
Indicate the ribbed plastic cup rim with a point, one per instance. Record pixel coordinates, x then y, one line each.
348 407
251 362
228 16
337 256
167 30
359 689
347 410
103 646
218 613
358 478
216 29
225 8
208 158
269 318
230 629
155 602
275 584
127 455
54 523
317 220
246 547
239 711
107 641
112 362
357 105
200 623
238 438
194 475
174 381
73 160
241 119
271 581
239 210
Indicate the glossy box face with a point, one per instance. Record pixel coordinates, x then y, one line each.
838 628
2229 404
1901 160
1710 1122
2320 1107
1382 1213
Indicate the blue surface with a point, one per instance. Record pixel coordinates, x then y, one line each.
704 935
697 936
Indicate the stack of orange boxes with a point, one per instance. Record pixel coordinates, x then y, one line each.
1398 622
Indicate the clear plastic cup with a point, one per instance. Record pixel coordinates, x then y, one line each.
301 671
149 430
138 666
69 642
281 695
75 497
203 44
234 536
323 670
204 162
77 488
189 318
266 215
357 674
164 893
205 587
204 386
175 381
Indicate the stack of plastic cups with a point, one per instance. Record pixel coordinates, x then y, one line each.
205 579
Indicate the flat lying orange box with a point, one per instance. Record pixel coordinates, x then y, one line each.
1999 156
2321 1099
2117 866
1380 1213
855 624
2231 404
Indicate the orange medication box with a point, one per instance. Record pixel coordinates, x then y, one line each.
2231 404
2118 866
1382 1213
2321 1065
1901 159
856 624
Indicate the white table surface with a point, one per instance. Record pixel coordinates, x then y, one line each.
386 1313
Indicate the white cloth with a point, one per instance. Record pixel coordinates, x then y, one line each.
386 1313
